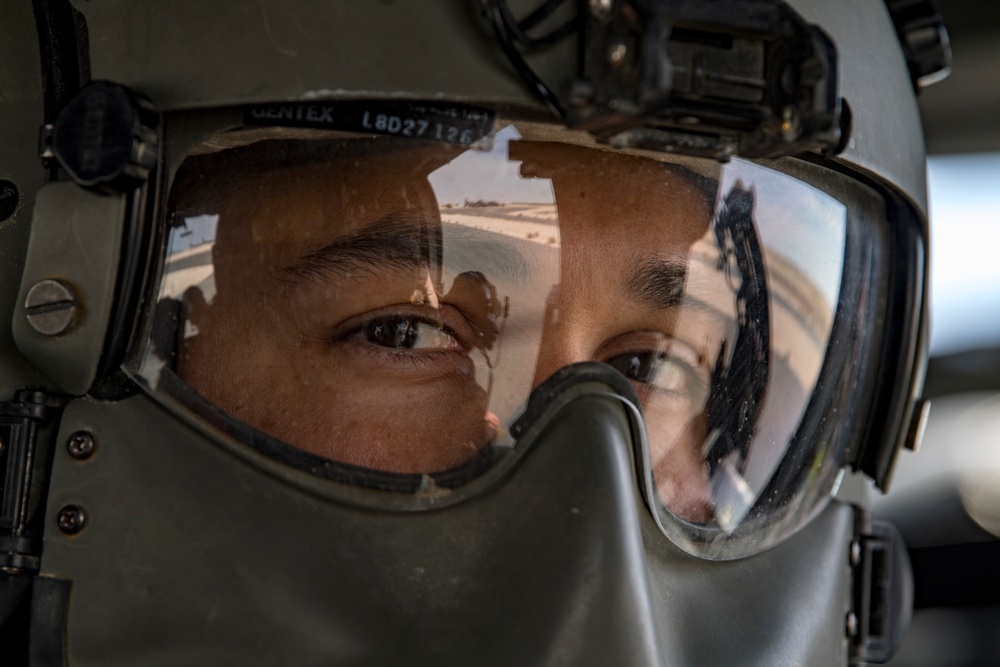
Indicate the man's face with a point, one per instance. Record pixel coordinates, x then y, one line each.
362 316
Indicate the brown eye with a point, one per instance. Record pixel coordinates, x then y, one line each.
636 366
408 333
661 371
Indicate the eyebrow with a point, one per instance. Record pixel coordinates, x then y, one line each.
657 283
403 241
396 241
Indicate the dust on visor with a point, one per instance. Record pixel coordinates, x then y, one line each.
378 309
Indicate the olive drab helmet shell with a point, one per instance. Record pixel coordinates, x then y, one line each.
169 540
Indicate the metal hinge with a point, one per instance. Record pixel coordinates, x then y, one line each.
24 423
882 601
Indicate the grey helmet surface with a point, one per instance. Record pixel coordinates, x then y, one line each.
166 541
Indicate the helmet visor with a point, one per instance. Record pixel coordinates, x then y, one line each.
386 306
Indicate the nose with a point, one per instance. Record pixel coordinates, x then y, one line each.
563 342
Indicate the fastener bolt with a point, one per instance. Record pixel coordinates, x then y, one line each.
617 53
852 624
71 519
790 124
855 553
51 307
601 8
80 445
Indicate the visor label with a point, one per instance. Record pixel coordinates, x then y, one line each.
451 123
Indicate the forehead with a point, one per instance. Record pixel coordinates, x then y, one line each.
283 190
281 167
375 160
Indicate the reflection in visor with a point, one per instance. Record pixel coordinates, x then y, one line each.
390 305
739 382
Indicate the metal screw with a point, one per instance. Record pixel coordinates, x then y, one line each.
601 8
71 519
617 53
80 445
51 307
852 624
790 126
9 199
855 553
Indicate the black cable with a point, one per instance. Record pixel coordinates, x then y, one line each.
540 14
518 34
496 14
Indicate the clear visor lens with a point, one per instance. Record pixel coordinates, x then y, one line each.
390 304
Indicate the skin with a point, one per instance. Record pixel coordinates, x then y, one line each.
298 340
639 214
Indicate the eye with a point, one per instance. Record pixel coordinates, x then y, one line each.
660 371
408 333
644 367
